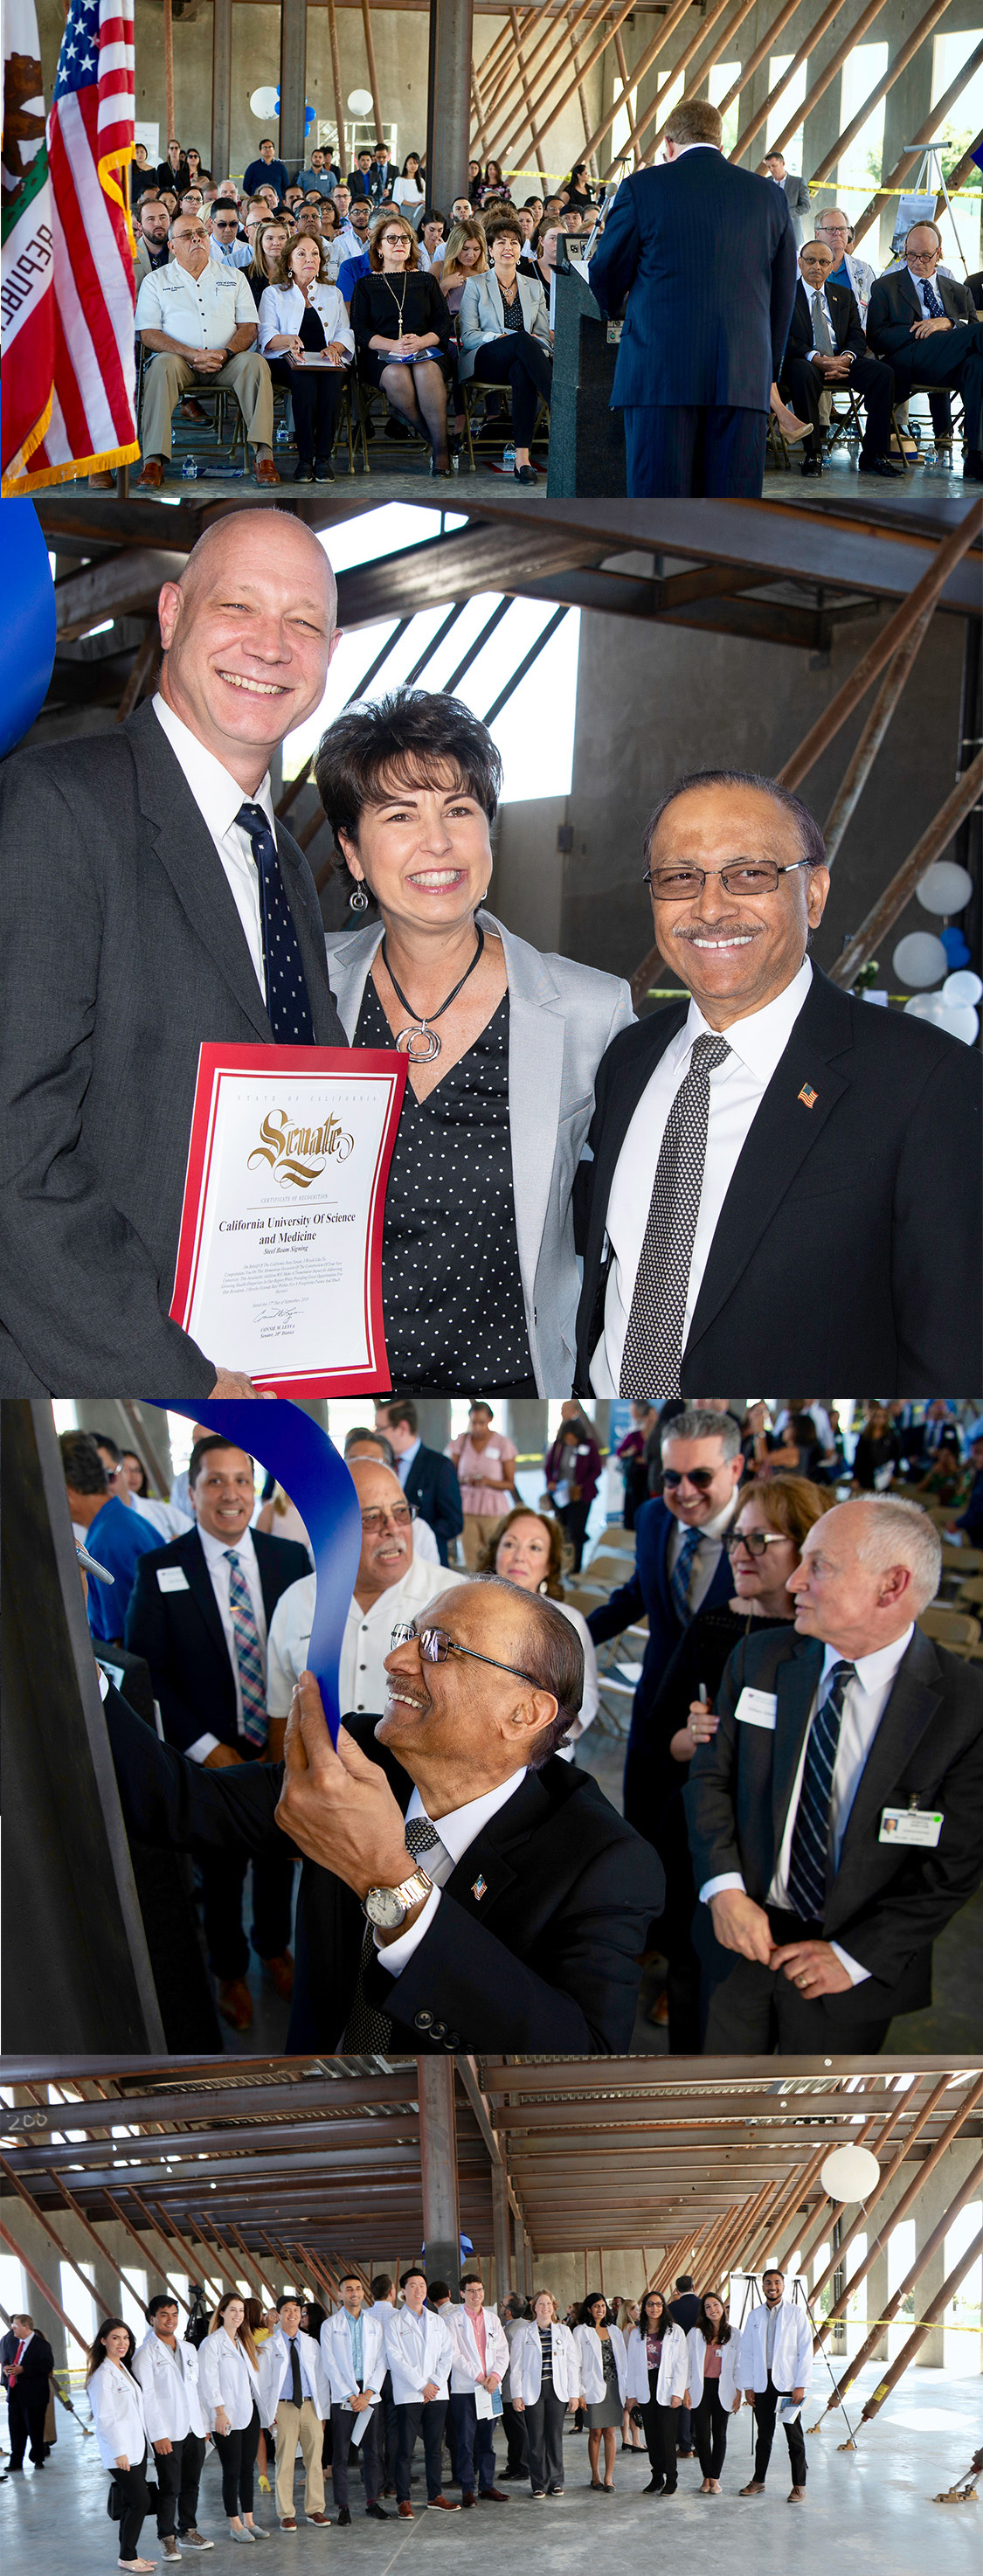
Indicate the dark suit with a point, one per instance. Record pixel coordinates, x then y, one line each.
685 2311
27 2399
826 1255
181 1638
887 1902
647 1595
535 1942
868 377
706 255
432 1485
123 949
948 359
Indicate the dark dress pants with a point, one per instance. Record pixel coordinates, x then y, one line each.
517 2440
237 2453
544 2424
475 2465
949 358
132 2486
757 2008
426 2417
573 1519
691 451
660 2435
388 2434
765 2409
27 2406
869 377
193 2450
222 1880
316 402
710 2422
517 359
366 2453
168 2469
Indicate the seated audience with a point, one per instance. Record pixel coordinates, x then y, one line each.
924 324
505 338
466 255
403 333
270 240
199 326
301 319
151 230
430 236
826 349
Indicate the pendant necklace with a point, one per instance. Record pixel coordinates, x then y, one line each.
423 1021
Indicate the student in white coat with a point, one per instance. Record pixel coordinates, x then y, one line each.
228 2378
481 2362
419 2351
713 2385
116 2400
293 2396
545 2382
602 2364
776 2362
168 2374
353 2357
658 2367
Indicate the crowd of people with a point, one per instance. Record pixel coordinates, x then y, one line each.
782 1564
356 2388
342 281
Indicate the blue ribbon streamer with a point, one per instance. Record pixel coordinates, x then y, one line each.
306 1463
27 637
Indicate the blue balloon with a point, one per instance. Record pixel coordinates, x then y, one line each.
955 945
27 634
309 112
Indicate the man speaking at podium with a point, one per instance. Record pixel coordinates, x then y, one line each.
706 256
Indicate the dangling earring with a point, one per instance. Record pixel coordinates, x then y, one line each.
358 900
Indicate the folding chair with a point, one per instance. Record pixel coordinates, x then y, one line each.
955 1629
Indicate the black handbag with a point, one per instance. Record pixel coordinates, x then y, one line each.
637 2417
114 2502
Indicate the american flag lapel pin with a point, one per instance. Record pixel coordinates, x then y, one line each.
480 1887
808 1095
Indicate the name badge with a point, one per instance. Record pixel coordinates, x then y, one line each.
758 1708
171 1578
910 1825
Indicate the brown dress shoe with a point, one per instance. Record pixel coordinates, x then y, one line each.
798 2495
442 2504
467 2498
153 473
290 2523
264 470
753 2489
492 2495
281 1975
319 2517
235 2002
405 2512
192 410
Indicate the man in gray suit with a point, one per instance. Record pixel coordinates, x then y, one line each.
795 188
149 902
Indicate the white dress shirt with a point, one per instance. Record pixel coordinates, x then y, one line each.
457 1832
217 1561
864 1703
218 797
708 1552
737 1089
362 1681
201 312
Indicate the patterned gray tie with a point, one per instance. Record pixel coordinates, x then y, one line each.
821 333
368 2033
653 1352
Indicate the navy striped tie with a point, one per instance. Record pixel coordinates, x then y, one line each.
287 1004
681 1577
810 1836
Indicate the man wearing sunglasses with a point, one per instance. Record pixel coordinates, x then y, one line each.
462 1887
224 243
769 1162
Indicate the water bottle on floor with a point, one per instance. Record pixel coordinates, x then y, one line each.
190 470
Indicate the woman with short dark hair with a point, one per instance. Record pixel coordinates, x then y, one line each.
505 335
116 2399
658 2365
479 1277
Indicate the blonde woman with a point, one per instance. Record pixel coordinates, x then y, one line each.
269 243
631 2435
545 2381
229 2384
403 334
466 256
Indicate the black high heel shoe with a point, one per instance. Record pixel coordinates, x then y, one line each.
442 473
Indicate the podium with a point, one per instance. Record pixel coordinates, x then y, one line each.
587 438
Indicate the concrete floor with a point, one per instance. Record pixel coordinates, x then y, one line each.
841 480
869 2512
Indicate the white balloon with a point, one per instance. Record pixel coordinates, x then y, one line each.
263 102
927 1006
963 986
946 887
849 2173
960 1020
920 959
360 101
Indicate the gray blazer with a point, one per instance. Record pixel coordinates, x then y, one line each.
122 950
561 1018
482 315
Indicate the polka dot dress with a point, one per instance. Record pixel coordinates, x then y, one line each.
452 1298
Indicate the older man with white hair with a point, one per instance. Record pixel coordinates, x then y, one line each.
835 1818
391 1584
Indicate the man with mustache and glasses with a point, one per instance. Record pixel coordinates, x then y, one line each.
391 1584
150 901
462 1887
769 1162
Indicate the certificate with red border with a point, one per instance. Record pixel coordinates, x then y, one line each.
279 1267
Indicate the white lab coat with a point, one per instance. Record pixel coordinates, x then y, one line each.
281 308
273 2357
336 2355
792 2364
409 2376
466 2369
116 2401
171 2397
226 2378
673 2367
527 2364
730 2382
590 2363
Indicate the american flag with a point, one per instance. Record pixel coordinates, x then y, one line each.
90 139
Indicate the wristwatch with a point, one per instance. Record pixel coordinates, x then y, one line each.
388 1907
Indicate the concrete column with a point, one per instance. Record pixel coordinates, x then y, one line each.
525 1423
500 2223
221 87
449 99
438 2163
293 80
434 1413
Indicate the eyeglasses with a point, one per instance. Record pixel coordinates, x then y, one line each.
399 1518
701 1477
754 1542
435 1645
225 223
921 258
741 876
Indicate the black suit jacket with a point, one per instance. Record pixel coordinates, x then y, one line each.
432 1485
180 1634
893 312
122 950
847 325
887 1902
37 2365
536 1940
705 254
826 1257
